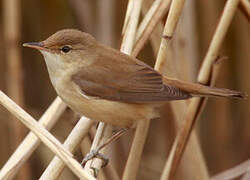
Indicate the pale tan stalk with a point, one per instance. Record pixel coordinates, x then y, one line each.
193 113
127 16
203 77
156 12
170 26
102 134
245 7
184 58
130 25
132 165
135 153
109 171
45 136
161 58
12 30
130 29
196 168
56 166
31 142
195 145
105 34
233 172
165 61
213 51
156 35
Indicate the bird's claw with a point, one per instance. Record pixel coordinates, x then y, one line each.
95 154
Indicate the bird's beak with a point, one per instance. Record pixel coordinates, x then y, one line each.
35 45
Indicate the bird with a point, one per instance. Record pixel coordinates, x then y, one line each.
109 86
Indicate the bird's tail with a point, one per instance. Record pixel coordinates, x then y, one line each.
196 89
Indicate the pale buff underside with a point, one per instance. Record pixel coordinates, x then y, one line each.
112 112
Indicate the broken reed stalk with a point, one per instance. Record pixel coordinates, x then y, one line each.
56 166
49 140
12 35
203 77
31 141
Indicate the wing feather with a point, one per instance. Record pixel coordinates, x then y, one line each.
129 81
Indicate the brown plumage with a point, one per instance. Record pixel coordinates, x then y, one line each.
96 80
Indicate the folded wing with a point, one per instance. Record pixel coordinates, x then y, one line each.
125 80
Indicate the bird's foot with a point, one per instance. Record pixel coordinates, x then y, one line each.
95 154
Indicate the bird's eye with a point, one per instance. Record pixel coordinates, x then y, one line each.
65 49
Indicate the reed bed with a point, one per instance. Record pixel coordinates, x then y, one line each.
182 144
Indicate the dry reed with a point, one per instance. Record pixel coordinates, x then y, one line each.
133 41
245 8
31 142
203 77
234 172
56 166
45 136
12 17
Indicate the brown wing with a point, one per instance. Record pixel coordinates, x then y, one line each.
126 80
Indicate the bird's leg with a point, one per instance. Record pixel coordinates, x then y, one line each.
95 152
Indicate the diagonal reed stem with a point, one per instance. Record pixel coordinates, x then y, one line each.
31 142
45 136
203 77
73 140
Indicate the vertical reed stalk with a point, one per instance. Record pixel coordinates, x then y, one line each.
203 77
14 69
130 26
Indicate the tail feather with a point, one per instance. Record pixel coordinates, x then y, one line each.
196 89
